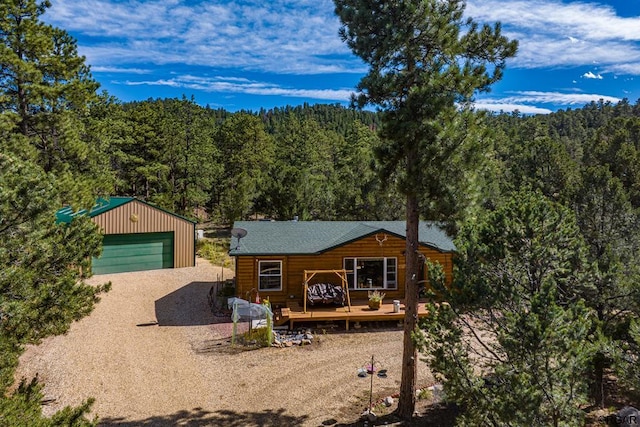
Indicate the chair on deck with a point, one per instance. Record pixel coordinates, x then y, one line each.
325 293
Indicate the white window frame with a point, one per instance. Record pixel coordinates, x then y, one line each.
269 276
353 275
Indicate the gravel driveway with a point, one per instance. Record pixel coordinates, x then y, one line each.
152 354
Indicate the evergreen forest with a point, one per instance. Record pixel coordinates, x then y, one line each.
548 230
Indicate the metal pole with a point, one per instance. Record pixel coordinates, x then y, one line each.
371 387
235 317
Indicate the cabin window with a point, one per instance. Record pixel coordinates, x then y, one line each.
371 273
270 275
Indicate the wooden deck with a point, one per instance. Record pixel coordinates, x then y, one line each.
360 312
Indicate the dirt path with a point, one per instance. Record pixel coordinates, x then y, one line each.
151 354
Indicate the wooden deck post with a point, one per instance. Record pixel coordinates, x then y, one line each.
305 286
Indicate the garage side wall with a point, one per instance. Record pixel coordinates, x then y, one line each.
138 217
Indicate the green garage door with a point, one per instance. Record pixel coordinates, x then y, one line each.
134 252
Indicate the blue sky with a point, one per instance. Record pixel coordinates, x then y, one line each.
248 54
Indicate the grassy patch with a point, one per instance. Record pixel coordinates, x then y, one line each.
425 394
258 337
216 250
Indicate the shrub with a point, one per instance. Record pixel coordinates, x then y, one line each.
215 250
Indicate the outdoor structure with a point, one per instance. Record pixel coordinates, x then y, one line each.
138 236
276 258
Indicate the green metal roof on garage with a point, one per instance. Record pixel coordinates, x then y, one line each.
103 205
314 237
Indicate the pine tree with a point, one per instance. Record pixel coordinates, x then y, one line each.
46 93
46 160
513 346
246 151
303 176
587 159
138 158
610 226
359 194
187 152
426 62
42 265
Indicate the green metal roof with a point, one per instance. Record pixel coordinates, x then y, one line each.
314 237
103 205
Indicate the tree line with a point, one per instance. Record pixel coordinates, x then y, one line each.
544 209
547 292
310 162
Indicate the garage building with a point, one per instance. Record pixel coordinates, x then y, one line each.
138 236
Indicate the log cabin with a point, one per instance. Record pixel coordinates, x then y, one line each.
276 259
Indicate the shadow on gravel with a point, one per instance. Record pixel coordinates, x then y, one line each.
201 418
186 306
434 415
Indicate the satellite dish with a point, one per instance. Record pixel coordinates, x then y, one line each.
238 233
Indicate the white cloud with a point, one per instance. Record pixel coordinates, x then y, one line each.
553 33
301 37
498 107
529 102
286 36
632 68
557 98
122 70
244 86
586 21
181 43
590 75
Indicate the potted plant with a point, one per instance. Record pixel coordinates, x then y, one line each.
375 299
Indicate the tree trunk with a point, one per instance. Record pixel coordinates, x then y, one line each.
599 360
407 399
598 379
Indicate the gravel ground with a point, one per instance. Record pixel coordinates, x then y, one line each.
152 354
